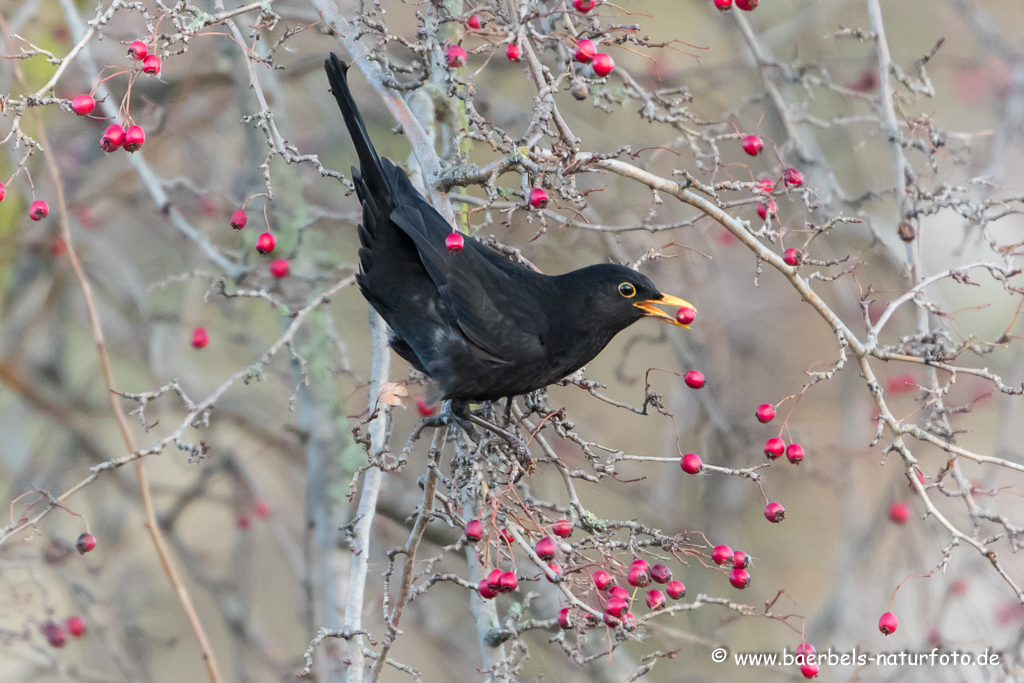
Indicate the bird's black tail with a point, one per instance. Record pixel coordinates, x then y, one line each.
370 164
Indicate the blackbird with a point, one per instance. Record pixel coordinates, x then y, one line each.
481 326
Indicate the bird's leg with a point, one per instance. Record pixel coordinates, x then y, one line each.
509 402
457 413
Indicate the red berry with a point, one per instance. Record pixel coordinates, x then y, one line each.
639 576
200 338
739 578
133 138
76 627
474 530
83 104
486 591
765 413
752 145
888 623
899 513
655 599
611 620
583 5
3 192
113 138
765 208
618 592
585 51
795 453
555 569
792 256
793 177
538 198
53 633
675 589
901 384
774 447
562 528
601 579
685 316
740 559
774 512
454 242
138 50
494 578
473 22
243 522
722 554
262 509
802 652
57 247
694 379
455 56
512 52
152 65
691 463
423 408
563 618
38 210
85 543
747 5
279 268
766 185
809 670
507 535
265 243
660 573
615 606
509 582
239 219
545 548
602 64
629 622
723 5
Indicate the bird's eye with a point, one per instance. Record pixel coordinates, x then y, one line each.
627 290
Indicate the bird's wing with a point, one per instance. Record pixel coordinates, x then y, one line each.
492 307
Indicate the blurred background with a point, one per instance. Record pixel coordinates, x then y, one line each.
236 519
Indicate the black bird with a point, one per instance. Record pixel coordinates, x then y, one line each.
479 325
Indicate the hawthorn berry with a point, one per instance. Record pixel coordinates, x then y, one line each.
792 256
685 316
545 548
722 554
485 590
618 592
723 5
38 210
752 145
562 528
602 579
901 384
473 22
905 231
694 379
133 139
494 578
774 447
655 599
555 569
615 606
113 138
795 453
675 589
803 650
474 530
200 338
85 543
3 192
638 576
538 198
899 513
739 578
455 57
691 464
774 512
279 268
766 185
629 622
888 623
583 5
611 620
765 413
585 51
661 574
509 582
765 208
793 177
57 247
454 242
423 408
808 670
244 522
265 243
152 65
563 618
83 104
747 5
740 559
138 50
262 509
602 64
53 633
76 627
507 536
239 219
512 52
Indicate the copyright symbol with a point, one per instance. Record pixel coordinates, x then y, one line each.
719 654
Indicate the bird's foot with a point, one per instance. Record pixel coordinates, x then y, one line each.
457 414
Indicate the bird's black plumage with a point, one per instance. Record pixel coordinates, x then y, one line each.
479 325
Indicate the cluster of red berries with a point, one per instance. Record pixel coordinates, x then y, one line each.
745 5
265 244
617 599
724 556
37 211
54 632
775 447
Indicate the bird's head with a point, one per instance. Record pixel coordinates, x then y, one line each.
620 296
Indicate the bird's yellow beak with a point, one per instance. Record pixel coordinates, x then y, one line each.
650 308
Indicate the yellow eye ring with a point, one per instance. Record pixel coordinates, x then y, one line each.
627 290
